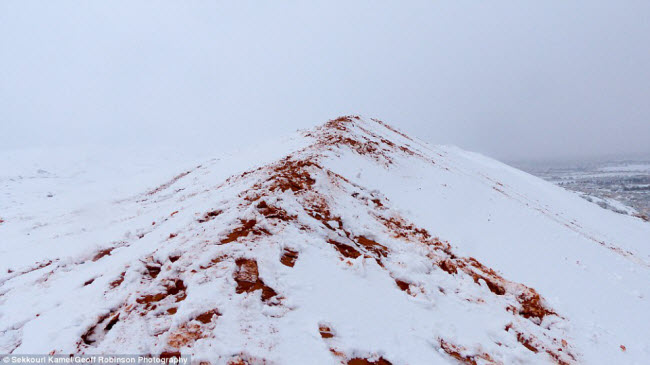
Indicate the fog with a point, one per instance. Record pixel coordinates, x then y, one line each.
513 80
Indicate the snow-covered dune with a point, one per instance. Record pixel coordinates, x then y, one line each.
350 243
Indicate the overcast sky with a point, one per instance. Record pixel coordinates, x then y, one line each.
511 79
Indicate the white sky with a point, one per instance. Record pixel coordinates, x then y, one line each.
511 79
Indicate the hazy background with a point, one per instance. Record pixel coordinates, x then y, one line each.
511 79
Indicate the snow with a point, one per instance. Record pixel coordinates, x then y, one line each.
632 167
180 229
611 204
